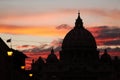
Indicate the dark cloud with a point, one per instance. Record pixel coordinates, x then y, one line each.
56 44
109 49
37 49
116 49
107 35
113 42
111 34
108 32
42 46
63 26
25 46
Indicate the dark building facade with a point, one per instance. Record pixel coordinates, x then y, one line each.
12 63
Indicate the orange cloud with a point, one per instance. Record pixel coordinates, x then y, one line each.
48 18
32 30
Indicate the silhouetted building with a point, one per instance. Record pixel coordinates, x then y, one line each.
12 63
4 68
79 47
48 69
79 53
37 65
106 58
52 58
79 59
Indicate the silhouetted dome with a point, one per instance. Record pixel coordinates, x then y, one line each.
106 58
52 58
79 38
79 46
40 61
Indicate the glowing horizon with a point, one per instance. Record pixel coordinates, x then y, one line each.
41 24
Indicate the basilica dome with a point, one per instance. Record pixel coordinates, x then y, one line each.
79 46
79 37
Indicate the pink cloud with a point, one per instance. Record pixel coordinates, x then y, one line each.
114 13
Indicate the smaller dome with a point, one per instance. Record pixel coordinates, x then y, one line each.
52 58
105 58
40 61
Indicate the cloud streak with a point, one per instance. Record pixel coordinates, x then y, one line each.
55 17
113 14
64 26
31 30
56 44
104 35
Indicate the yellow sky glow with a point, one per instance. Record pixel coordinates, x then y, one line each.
41 31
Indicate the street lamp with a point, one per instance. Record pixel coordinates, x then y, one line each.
30 74
22 67
9 53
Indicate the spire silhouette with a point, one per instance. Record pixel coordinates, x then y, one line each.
106 58
52 51
78 23
52 58
78 14
105 51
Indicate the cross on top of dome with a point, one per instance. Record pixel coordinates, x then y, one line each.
78 13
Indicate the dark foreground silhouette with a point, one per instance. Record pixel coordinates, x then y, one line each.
79 60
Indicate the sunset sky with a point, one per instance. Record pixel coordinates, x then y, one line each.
37 25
